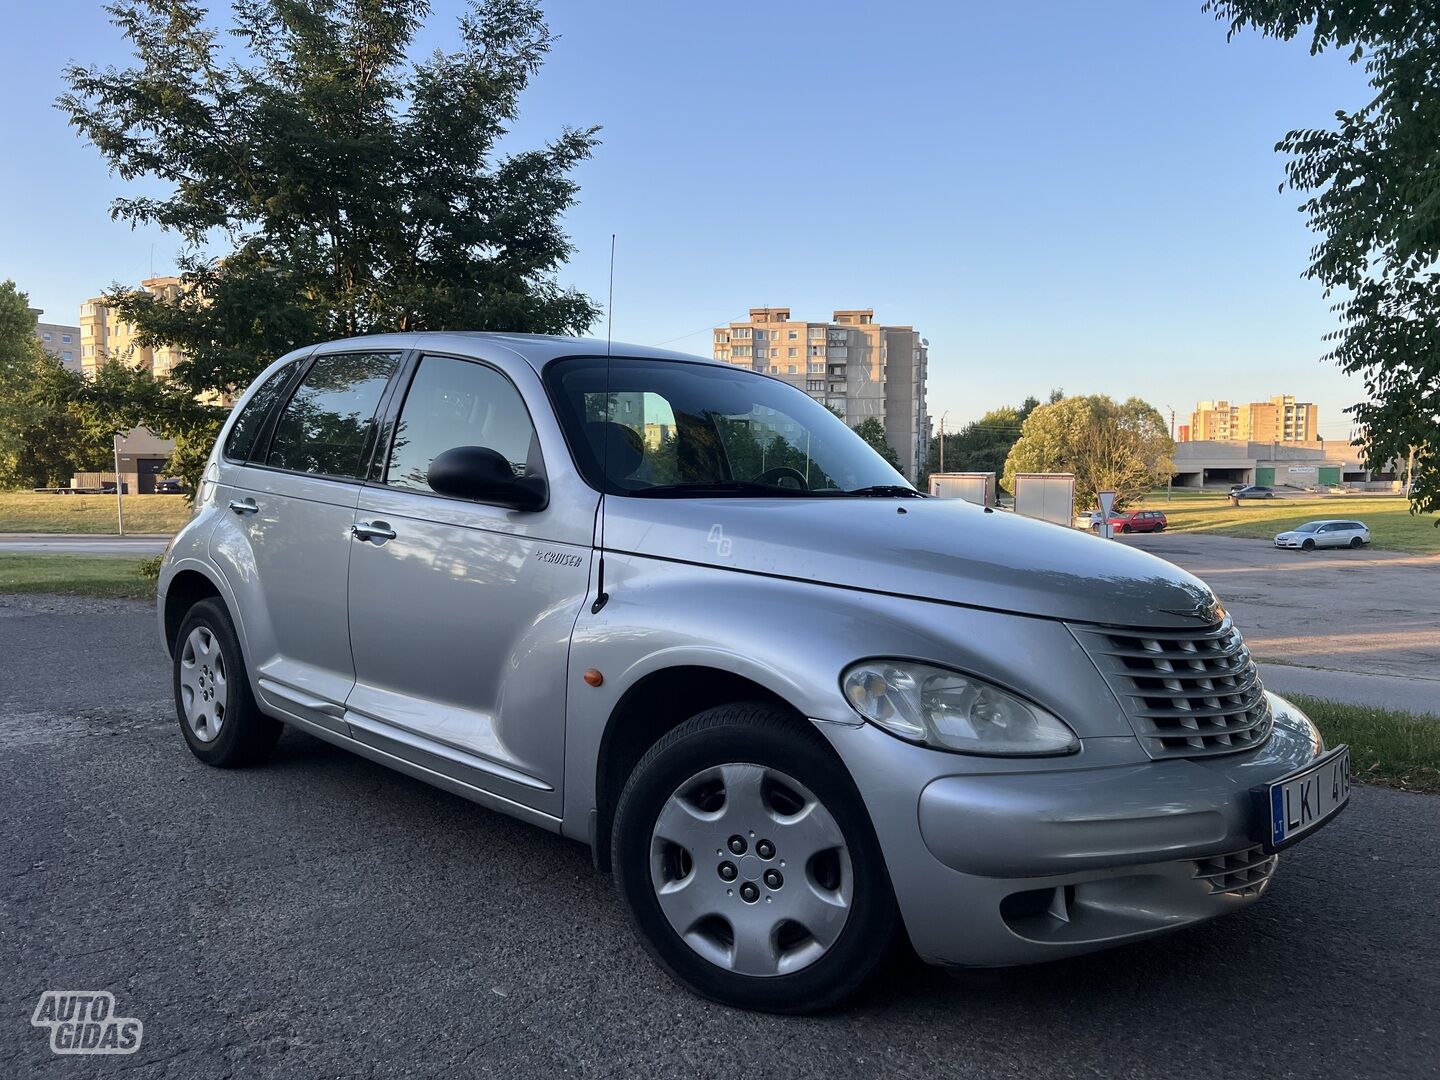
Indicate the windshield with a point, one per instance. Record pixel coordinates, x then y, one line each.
670 429
1310 526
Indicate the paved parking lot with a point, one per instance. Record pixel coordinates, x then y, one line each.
1353 625
322 916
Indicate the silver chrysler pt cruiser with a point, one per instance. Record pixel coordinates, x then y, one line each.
680 612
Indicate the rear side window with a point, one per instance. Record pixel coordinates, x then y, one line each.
456 403
246 429
326 427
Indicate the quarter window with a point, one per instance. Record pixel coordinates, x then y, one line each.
325 429
455 403
241 440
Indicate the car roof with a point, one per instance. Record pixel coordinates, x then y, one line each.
1332 521
535 349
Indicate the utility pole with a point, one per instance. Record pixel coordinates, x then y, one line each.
1170 479
119 504
942 441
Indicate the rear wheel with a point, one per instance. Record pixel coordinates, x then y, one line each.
1160 527
748 864
218 715
1356 542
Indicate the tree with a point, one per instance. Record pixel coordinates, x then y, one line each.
982 445
1372 194
348 190
45 438
873 432
1110 446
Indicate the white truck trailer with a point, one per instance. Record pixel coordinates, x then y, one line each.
974 487
1047 496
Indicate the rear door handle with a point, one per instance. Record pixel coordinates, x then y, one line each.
243 506
375 531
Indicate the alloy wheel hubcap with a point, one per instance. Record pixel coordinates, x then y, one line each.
203 687
751 869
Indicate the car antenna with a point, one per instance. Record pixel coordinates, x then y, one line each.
601 596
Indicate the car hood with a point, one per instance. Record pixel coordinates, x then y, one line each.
932 549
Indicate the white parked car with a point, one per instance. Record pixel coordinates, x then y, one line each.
1315 534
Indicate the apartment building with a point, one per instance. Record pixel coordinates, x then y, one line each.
104 335
1281 419
1214 421
58 340
858 367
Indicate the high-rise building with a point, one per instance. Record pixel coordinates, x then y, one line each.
1281 419
858 367
58 340
1215 420
104 335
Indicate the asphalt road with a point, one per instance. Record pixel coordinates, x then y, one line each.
322 916
1360 626
79 544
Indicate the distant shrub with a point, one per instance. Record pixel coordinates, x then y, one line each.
150 568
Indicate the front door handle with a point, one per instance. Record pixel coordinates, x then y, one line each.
243 506
375 531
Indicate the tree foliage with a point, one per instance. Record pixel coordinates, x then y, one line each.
872 430
983 445
45 437
348 190
1372 187
1110 446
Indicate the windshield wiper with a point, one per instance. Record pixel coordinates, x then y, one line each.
714 487
886 491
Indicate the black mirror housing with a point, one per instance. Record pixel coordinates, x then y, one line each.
484 475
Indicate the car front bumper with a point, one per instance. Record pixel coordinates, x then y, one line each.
1034 864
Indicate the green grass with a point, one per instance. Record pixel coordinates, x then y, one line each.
1398 749
1392 526
106 576
25 511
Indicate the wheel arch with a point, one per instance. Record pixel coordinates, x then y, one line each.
658 702
186 588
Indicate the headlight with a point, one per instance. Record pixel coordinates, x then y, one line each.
950 711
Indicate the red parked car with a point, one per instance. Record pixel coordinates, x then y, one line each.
1133 522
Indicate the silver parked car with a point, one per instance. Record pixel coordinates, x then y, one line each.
681 613
1331 532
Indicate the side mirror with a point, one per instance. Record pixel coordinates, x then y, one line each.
482 474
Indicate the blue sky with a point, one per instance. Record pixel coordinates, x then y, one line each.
1056 194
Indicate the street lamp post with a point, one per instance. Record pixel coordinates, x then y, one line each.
119 503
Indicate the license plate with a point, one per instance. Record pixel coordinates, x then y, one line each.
1303 801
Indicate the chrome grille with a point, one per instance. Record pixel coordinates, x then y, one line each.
1241 873
1187 693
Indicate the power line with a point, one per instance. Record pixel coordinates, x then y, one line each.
682 337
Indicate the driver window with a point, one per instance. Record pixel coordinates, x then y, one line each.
458 403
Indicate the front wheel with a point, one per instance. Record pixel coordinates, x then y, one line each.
1308 545
221 723
748 864
1125 529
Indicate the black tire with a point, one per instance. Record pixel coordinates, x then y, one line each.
1159 528
246 735
1125 529
1308 545
763 735
1356 543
